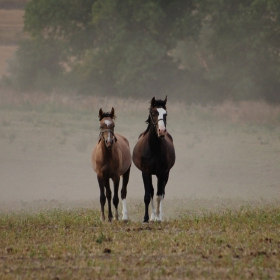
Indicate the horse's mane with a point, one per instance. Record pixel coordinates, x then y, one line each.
147 129
107 115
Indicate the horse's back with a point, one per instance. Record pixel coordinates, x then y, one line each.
169 137
94 156
172 157
123 145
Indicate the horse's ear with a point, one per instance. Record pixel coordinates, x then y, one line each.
165 100
112 113
153 102
100 114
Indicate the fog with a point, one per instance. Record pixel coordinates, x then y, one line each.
45 154
45 162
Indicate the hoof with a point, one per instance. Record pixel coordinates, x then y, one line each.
125 221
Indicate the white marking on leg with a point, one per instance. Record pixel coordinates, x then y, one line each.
161 209
159 214
124 210
153 214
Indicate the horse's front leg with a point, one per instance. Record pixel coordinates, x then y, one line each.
123 194
147 179
162 181
153 214
116 181
109 197
102 196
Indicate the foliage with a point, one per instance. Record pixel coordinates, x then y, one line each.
36 65
137 38
244 48
117 46
196 50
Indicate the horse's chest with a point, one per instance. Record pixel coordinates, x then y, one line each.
109 164
157 161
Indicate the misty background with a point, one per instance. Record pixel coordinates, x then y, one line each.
218 62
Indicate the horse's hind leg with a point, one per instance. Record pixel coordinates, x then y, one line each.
123 194
116 181
147 179
102 196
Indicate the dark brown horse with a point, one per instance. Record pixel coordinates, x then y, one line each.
154 154
111 158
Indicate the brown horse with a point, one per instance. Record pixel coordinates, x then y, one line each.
154 154
111 158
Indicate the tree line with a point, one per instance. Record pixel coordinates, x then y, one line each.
194 50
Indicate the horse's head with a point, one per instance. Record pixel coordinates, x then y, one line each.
107 126
158 115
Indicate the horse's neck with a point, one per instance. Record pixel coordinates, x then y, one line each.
153 139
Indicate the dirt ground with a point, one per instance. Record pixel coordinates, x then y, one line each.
45 162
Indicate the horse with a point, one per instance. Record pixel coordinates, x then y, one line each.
111 158
154 154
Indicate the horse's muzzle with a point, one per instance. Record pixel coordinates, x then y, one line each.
109 144
161 133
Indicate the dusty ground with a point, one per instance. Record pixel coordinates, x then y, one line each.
45 161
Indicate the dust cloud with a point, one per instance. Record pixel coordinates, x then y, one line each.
45 163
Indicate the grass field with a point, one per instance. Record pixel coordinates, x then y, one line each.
59 244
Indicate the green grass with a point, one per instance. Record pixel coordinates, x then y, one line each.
60 244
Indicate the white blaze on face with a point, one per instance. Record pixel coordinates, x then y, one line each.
161 113
107 122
